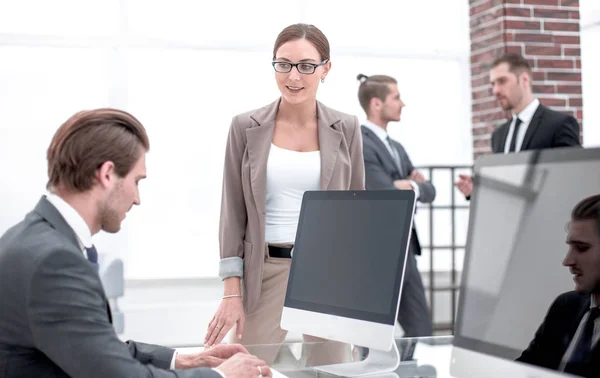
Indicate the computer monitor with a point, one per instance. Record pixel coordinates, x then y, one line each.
513 272
347 268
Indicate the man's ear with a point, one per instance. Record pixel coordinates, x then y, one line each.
375 104
106 174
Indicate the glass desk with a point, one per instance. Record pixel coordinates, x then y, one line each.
430 357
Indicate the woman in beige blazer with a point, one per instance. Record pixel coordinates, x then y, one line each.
273 155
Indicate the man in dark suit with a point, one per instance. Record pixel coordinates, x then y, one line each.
55 319
567 340
532 126
388 167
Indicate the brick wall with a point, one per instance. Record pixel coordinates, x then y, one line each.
546 32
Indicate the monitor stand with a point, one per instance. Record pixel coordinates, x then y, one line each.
377 362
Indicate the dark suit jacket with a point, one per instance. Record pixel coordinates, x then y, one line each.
556 332
54 316
547 129
381 172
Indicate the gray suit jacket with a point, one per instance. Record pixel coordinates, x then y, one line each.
381 172
54 317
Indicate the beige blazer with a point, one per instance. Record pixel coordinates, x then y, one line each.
243 204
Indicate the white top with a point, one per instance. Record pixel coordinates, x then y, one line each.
525 116
383 135
289 175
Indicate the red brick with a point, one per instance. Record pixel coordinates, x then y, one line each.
567 39
484 106
523 25
482 93
574 15
543 50
575 102
482 143
486 17
569 3
485 6
569 89
487 129
543 88
517 12
578 63
550 13
579 114
547 3
561 26
515 49
491 29
487 56
488 42
564 76
553 101
555 63
572 51
480 69
475 83
528 37
539 76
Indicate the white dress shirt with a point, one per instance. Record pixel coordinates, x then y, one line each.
595 335
525 116
81 230
382 134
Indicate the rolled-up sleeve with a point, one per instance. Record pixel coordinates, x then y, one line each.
232 224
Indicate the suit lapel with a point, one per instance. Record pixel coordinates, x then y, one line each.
502 135
533 125
330 139
259 139
382 148
47 211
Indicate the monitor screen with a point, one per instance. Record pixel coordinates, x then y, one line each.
351 249
513 272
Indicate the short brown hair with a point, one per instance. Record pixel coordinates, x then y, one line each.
588 209
375 86
304 31
516 64
89 139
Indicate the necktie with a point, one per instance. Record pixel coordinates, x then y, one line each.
513 142
395 156
92 256
582 353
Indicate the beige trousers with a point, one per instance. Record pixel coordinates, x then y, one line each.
263 325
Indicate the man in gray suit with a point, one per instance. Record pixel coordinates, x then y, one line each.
388 167
55 320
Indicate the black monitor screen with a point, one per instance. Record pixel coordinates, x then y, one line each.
349 254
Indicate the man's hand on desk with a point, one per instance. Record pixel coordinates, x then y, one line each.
245 366
210 358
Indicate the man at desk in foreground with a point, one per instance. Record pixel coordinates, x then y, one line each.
567 340
55 320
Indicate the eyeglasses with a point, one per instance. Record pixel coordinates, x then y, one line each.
304 68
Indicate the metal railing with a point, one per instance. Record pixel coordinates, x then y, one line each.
432 287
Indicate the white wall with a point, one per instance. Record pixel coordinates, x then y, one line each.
185 71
